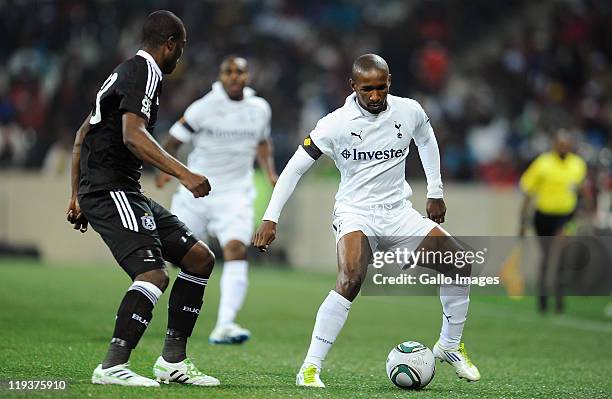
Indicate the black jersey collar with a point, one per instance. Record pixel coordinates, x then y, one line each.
150 58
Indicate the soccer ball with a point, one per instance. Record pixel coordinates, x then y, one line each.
411 365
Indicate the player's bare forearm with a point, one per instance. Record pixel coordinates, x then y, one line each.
586 198
75 172
525 207
524 215
73 212
138 140
265 159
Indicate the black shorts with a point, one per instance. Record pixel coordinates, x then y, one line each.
130 222
550 225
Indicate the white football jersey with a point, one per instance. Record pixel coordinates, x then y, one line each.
225 135
370 150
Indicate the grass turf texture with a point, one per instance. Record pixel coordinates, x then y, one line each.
56 322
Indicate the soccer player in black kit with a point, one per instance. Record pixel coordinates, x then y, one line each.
109 149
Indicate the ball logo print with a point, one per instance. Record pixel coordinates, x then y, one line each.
411 365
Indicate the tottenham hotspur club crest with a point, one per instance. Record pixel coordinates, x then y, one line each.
399 133
148 222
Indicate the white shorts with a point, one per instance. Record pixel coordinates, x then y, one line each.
386 226
226 215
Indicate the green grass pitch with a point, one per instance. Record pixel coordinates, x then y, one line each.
56 321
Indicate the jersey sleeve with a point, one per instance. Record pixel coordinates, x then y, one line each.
581 170
136 86
422 130
188 124
530 180
266 129
320 140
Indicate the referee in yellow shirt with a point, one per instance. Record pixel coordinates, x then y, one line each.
552 180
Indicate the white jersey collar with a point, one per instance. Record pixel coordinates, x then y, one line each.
217 87
151 60
354 110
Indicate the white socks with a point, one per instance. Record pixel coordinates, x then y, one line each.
234 284
455 300
330 318
335 308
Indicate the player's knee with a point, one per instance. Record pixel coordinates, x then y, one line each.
234 250
199 260
157 277
348 285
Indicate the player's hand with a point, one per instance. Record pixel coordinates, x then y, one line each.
161 179
264 235
436 209
196 183
75 216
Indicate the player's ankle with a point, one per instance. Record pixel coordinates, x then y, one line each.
311 362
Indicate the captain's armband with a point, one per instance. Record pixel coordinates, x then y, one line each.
311 148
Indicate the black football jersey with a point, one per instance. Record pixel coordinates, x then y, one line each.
106 163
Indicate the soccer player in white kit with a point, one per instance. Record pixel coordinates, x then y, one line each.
368 139
228 127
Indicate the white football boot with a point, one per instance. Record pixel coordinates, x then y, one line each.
230 333
309 377
120 375
184 372
459 359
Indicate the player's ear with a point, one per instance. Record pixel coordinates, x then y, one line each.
352 83
171 43
389 82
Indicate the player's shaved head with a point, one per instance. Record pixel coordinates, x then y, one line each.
562 142
160 26
236 59
368 63
234 76
370 80
164 37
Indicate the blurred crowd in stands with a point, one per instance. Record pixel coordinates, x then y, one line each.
496 78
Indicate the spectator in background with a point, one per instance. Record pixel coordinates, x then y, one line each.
552 181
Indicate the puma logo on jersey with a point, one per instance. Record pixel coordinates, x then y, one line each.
357 135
